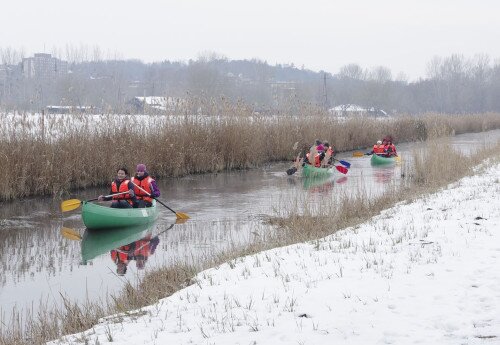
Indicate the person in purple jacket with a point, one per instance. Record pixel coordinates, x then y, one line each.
145 187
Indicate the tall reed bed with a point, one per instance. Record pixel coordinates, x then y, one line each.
55 154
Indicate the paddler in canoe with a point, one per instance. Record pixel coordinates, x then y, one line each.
137 192
145 187
384 148
320 151
121 184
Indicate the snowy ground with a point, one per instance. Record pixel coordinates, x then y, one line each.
421 273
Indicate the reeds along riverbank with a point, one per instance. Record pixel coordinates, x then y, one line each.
297 221
52 155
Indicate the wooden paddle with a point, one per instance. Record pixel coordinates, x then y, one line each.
179 215
73 204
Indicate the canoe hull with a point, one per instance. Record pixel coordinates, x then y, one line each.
97 217
382 161
311 171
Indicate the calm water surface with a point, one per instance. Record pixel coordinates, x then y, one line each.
39 264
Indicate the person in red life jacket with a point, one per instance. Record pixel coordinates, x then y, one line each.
391 149
378 149
317 159
144 197
121 257
319 146
121 184
327 152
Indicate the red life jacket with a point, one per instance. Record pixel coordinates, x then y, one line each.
378 149
317 162
123 188
392 149
145 184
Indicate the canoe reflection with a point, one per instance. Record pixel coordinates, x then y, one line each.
318 184
383 174
123 245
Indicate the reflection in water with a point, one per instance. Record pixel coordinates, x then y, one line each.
138 251
99 242
135 243
341 180
318 184
383 174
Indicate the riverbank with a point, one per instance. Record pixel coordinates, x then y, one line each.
56 155
419 272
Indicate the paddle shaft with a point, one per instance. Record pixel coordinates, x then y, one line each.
149 194
107 196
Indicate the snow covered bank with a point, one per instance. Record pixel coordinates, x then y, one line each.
425 272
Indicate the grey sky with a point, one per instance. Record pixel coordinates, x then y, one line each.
324 34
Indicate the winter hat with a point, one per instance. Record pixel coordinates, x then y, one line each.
140 167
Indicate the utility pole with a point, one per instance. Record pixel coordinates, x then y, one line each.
325 93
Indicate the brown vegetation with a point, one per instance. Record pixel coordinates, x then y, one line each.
52 155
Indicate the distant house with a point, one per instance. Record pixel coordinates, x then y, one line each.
157 103
68 109
346 110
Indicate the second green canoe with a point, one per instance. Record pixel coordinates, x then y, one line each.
311 171
104 217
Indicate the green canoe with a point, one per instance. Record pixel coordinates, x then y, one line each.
104 217
311 171
381 160
95 243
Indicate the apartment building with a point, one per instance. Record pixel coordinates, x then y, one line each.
43 66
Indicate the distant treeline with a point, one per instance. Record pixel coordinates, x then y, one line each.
454 84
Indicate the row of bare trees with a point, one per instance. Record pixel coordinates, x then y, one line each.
453 84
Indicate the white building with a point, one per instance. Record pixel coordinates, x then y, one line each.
346 110
158 103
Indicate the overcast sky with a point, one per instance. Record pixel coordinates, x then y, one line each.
321 35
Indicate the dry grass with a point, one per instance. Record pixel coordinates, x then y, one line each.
51 155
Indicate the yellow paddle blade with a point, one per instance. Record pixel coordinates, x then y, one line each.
358 154
181 215
69 205
398 159
180 221
70 234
